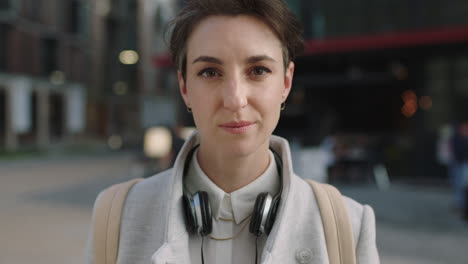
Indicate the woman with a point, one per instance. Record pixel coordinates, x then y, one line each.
235 71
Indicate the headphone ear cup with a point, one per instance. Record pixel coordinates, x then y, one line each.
257 214
205 208
272 215
189 213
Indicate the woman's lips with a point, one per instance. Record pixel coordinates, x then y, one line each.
237 127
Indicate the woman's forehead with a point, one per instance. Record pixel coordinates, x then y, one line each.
242 35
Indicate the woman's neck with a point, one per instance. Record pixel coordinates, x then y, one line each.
231 173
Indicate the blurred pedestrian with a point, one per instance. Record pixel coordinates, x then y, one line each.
177 142
459 146
445 155
235 70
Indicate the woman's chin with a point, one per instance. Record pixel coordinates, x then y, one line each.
239 148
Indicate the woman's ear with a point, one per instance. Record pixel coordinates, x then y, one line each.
288 78
183 88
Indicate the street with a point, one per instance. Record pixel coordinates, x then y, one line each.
46 208
415 224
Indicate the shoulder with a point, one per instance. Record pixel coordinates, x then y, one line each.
144 218
154 185
361 216
363 223
356 210
149 194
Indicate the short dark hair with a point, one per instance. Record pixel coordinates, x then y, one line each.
274 13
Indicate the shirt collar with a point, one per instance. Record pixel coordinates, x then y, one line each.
239 204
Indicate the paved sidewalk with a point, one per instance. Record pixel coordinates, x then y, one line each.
45 206
415 224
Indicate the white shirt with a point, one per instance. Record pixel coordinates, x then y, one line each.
231 216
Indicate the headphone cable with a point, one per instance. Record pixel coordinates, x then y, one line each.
202 259
256 250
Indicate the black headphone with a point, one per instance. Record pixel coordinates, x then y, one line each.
197 208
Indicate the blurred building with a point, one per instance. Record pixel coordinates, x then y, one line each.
392 69
44 62
113 99
161 103
130 93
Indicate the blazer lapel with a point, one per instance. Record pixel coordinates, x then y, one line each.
297 236
176 248
174 252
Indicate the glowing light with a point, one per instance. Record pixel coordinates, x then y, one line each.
120 88
128 57
57 77
115 142
410 105
425 102
409 95
157 142
409 108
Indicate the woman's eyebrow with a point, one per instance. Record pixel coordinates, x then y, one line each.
207 59
257 58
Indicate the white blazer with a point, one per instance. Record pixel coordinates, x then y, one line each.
153 229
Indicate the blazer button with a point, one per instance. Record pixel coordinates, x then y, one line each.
303 256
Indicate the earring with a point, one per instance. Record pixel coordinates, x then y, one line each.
189 110
283 106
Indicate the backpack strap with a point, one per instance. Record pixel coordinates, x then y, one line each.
106 225
336 223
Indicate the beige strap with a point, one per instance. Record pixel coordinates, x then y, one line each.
107 214
336 224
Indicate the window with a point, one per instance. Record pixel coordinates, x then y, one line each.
3 46
49 56
2 115
78 16
74 17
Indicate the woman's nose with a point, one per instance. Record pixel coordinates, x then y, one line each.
234 95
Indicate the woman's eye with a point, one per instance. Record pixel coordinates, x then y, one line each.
208 73
259 71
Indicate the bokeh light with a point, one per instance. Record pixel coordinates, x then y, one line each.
120 88
158 142
128 57
115 142
57 77
425 102
410 105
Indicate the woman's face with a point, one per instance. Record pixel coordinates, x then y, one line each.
235 83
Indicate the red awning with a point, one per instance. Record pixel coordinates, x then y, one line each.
362 43
162 60
387 40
